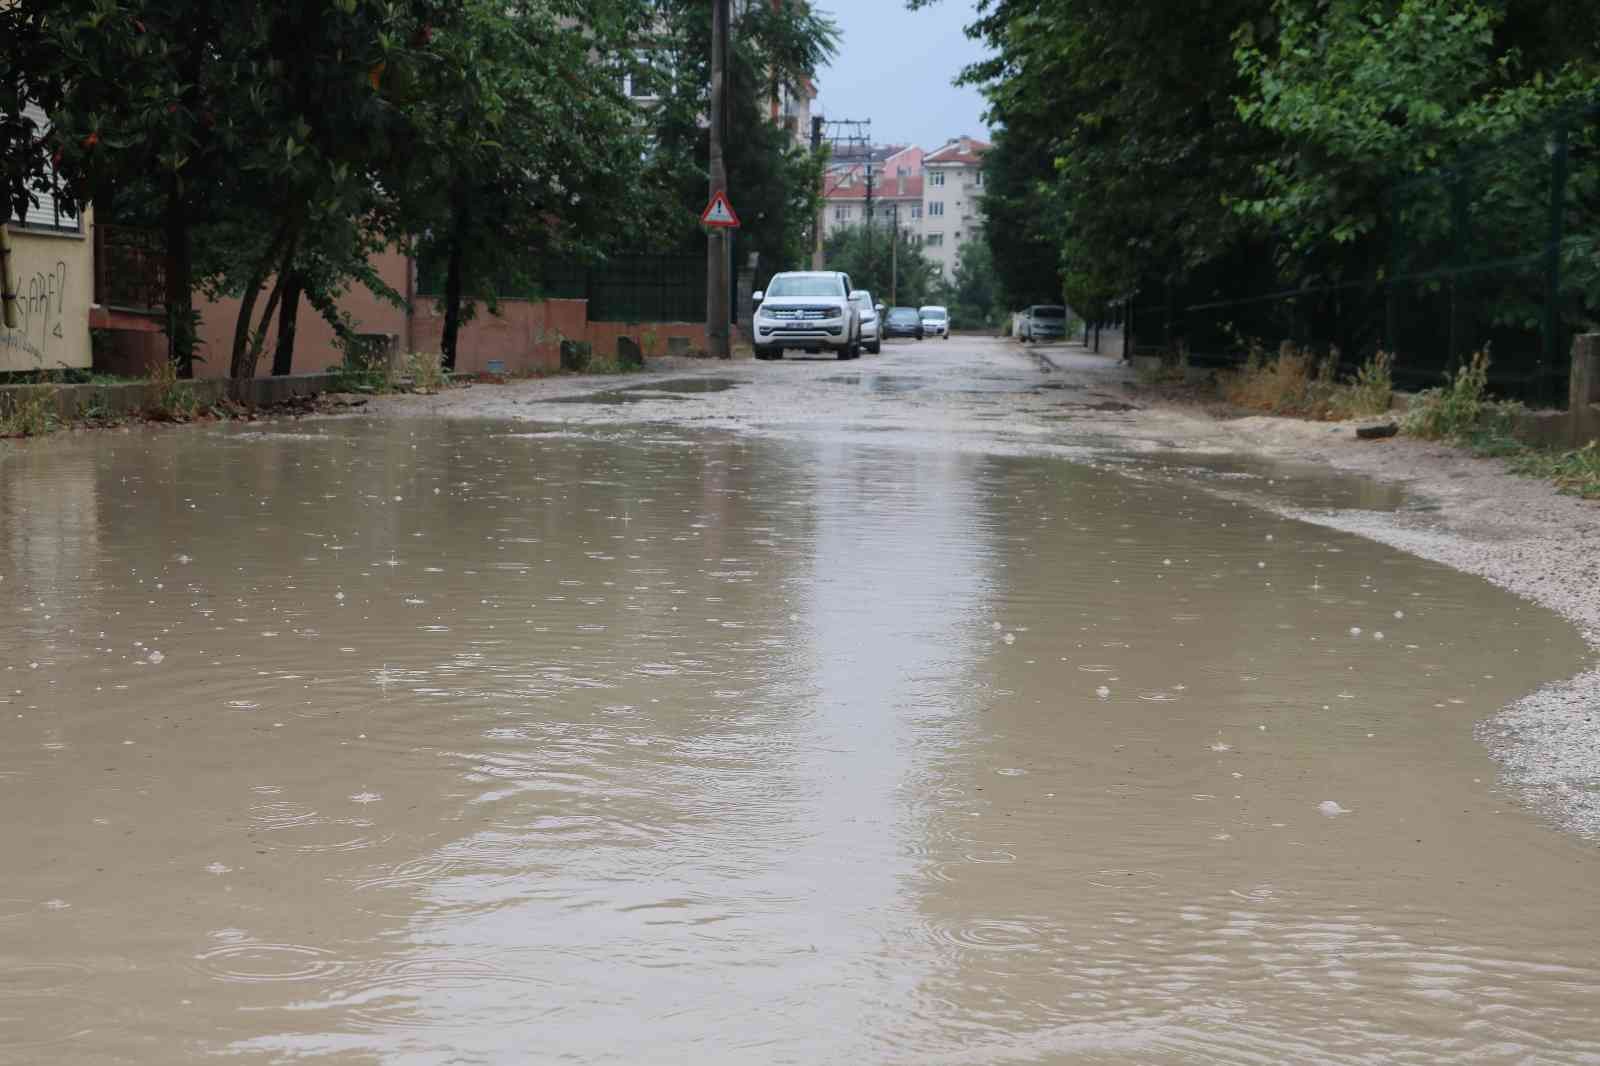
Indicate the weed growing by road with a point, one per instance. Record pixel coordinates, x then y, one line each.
1455 409
174 398
606 364
427 372
32 413
1371 391
1461 411
1575 472
1172 370
1298 382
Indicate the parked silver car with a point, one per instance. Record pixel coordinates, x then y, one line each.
871 335
810 310
1042 322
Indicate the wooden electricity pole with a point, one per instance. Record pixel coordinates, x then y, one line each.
8 291
718 250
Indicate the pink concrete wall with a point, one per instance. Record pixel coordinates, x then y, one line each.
526 335
314 348
653 337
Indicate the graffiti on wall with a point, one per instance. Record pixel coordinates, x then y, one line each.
41 302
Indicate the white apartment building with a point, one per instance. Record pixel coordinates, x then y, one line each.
933 196
952 188
896 191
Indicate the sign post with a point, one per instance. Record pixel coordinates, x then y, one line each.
719 212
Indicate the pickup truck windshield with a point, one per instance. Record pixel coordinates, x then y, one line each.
800 285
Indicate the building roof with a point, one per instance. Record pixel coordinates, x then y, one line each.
962 151
883 189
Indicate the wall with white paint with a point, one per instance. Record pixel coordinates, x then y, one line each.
54 275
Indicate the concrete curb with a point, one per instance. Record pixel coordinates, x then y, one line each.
73 402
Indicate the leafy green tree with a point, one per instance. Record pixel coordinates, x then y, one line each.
974 295
1125 112
268 129
1364 93
774 181
133 91
532 152
1021 222
895 271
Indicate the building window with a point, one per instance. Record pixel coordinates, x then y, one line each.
916 211
935 208
47 213
980 178
934 240
645 75
841 213
936 177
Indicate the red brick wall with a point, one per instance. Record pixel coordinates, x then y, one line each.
526 335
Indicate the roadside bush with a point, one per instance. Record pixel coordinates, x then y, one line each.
1453 410
1371 391
1576 472
426 370
174 398
1292 382
611 365
32 413
1172 370
1296 382
576 355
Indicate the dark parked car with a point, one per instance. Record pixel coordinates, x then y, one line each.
902 322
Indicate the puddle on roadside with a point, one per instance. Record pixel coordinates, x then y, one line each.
671 390
884 383
690 386
445 734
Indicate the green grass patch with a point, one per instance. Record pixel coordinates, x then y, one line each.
1461 411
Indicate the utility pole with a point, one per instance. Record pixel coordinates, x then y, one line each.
8 291
869 209
849 139
894 256
817 125
718 250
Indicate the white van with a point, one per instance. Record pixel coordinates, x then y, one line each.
935 321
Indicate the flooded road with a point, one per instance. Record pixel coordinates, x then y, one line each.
488 741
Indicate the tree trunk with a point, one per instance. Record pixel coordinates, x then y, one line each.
288 314
452 293
242 360
258 336
179 295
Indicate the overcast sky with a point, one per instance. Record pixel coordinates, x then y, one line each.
895 66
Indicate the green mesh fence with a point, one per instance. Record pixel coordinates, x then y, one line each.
1498 248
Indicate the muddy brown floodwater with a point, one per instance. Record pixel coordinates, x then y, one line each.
416 742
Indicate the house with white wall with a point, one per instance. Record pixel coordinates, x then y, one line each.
952 198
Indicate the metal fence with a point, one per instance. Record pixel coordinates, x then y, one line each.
130 267
639 288
1499 248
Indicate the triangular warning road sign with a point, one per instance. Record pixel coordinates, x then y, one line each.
719 212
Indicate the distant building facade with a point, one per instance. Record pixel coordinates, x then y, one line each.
952 200
933 197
